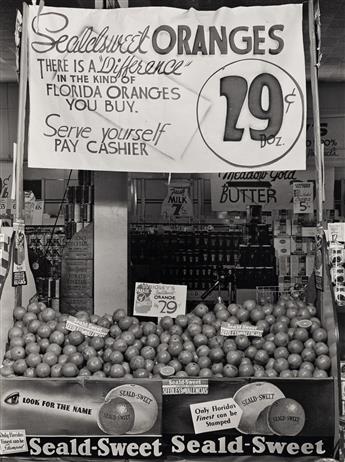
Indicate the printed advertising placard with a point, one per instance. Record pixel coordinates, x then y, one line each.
270 417
12 441
88 408
167 90
177 203
159 300
135 419
272 190
303 197
332 136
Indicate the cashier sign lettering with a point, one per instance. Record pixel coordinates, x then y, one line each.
157 86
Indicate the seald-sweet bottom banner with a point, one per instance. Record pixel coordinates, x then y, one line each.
154 419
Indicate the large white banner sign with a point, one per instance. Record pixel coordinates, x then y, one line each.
167 90
272 190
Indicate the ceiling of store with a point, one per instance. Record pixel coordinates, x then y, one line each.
332 23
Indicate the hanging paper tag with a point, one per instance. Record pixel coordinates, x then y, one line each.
19 267
177 203
303 197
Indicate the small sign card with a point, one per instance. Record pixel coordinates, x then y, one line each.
180 386
232 330
86 328
12 441
213 416
303 197
159 300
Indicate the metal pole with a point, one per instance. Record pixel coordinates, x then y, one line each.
19 214
316 110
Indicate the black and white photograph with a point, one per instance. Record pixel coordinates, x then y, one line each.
172 230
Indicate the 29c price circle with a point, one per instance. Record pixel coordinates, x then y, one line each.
257 113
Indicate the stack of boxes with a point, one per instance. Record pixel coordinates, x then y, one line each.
33 210
294 243
78 257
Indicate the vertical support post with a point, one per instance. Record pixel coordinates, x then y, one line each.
323 302
19 215
316 111
110 242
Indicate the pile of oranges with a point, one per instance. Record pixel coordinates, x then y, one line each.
40 345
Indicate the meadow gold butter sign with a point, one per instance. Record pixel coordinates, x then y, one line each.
167 90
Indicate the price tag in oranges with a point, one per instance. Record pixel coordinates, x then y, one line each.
158 300
86 328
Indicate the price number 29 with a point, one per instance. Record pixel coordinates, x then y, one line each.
167 307
235 90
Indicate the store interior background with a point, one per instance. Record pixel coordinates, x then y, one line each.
113 218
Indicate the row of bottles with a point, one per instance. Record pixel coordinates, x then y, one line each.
79 206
